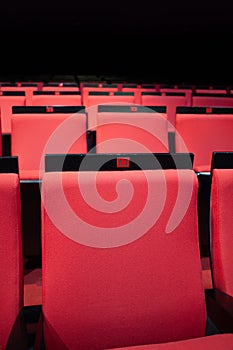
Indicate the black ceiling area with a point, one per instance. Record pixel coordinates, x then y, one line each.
168 41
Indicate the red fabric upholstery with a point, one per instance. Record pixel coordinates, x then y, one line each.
210 91
6 103
171 102
92 112
222 228
56 100
150 88
136 91
27 89
203 134
11 271
129 133
60 88
19 88
0 136
212 101
188 93
146 291
111 98
214 342
100 87
33 135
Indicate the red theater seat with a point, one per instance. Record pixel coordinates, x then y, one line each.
149 88
56 98
214 342
130 87
129 129
212 100
27 88
169 99
36 130
202 131
7 100
205 89
11 269
60 87
95 98
221 229
96 87
221 238
187 90
0 138
18 86
123 267
135 88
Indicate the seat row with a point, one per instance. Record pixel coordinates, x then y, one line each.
117 86
120 257
56 130
118 128
171 100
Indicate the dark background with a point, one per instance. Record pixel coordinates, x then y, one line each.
167 41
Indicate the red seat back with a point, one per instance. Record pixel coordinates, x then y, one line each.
96 87
100 97
120 268
11 270
168 99
212 100
0 136
36 131
56 98
27 88
7 100
60 87
135 88
178 89
210 90
131 129
221 229
202 131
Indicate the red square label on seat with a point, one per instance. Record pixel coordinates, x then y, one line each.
123 162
